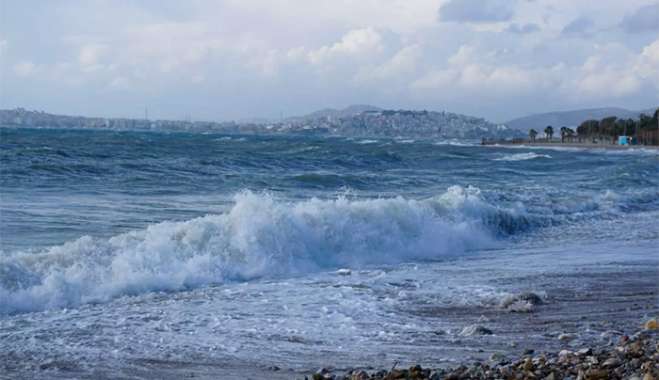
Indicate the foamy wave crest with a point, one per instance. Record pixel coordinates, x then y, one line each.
455 142
259 236
522 157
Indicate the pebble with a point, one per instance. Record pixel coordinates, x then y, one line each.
635 357
497 357
521 307
359 375
611 363
521 303
475 330
529 297
565 337
584 352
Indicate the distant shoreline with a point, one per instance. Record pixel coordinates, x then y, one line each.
568 145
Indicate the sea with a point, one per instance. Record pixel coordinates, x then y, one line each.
130 254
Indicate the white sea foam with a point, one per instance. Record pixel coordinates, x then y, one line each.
259 236
367 141
521 157
636 150
455 142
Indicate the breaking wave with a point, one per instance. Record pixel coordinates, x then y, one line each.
258 237
522 157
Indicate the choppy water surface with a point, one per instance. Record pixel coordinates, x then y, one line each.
187 247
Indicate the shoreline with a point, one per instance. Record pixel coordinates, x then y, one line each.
626 356
528 144
569 312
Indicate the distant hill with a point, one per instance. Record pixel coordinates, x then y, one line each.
333 113
369 121
359 120
571 118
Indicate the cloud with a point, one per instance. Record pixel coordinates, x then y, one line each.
522 29
646 66
224 59
399 67
645 19
354 43
24 68
602 81
581 26
602 77
651 52
477 11
474 71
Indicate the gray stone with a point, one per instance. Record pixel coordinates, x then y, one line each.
475 330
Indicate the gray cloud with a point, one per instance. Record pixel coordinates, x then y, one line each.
581 26
222 59
644 19
476 10
522 29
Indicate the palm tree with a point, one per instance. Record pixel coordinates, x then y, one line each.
532 134
571 134
549 132
564 133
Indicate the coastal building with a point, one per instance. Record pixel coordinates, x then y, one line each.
624 140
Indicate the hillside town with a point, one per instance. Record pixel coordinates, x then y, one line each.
369 123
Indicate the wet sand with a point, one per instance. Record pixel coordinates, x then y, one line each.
592 307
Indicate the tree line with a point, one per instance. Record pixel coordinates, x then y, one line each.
644 130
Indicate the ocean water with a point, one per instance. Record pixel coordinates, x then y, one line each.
121 250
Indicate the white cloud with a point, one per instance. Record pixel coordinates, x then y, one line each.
90 54
647 66
355 43
651 53
479 71
245 58
401 65
25 68
607 83
601 77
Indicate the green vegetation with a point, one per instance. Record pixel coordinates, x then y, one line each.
567 134
532 134
644 130
549 132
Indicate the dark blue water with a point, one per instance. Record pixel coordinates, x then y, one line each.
58 185
132 252
81 208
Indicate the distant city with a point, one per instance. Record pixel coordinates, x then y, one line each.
362 121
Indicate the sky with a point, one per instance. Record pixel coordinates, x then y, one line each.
242 59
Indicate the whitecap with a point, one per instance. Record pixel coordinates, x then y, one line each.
259 236
521 157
